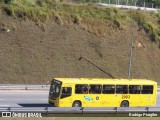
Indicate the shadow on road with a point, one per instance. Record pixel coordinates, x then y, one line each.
36 105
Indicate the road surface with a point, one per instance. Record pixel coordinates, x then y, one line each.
31 98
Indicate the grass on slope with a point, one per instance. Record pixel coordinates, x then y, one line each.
41 10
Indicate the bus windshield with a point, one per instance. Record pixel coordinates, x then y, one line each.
54 90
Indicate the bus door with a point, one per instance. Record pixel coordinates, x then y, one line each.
66 96
94 97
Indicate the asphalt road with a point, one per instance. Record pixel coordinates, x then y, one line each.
31 99
24 99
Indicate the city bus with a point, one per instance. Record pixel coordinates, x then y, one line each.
99 92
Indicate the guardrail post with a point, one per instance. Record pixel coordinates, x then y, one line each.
46 110
116 110
9 108
147 108
144 4
127 2
152 5
82 110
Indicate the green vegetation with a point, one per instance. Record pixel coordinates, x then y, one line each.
41 10
149 21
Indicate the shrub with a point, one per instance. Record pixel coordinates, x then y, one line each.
41 3
153 33
6 1
117 23
9 10
58 19
76 19
148 27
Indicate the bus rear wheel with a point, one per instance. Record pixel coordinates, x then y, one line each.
124 104
76 104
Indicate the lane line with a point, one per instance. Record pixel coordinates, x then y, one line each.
43 99
4 105
24 93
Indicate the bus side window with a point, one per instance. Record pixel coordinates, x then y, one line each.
134 89
95 89
147 89
121 89
81 89
108 89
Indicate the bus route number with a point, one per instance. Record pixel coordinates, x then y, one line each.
125 96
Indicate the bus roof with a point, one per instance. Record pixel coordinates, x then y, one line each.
104 81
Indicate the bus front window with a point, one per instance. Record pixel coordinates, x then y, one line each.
54 90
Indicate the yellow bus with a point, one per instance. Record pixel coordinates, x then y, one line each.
89 92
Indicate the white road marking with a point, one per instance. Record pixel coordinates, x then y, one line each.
22 93
43 99
4 105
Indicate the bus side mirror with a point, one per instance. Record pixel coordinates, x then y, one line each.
48 81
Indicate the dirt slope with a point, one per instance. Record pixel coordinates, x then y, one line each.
31 54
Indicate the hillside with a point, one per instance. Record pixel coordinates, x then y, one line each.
38 43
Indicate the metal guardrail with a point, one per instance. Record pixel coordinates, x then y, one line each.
129 7
24 87
61 110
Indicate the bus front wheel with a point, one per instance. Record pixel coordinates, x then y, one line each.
124 104
76 104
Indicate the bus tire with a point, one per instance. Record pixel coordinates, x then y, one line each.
76 104
124 103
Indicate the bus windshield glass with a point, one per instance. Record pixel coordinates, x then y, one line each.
55 89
